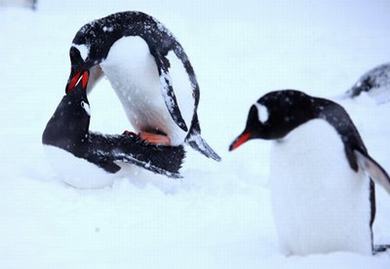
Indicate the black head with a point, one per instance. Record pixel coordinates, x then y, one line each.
69 125
94 40
79 72
90 47
277 113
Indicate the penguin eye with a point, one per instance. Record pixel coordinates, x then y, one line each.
86 107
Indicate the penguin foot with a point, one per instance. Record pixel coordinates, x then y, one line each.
380 248
155 139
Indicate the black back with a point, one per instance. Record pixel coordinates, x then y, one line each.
101 34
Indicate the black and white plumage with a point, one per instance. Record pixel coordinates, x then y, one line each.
149 71
376 83
323 196
68 129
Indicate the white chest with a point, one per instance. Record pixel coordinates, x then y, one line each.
133 73
77 172
320 204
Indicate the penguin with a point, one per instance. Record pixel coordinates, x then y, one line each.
68 129
150 73
375 82
321 176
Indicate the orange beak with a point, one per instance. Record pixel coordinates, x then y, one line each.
76 79
244 137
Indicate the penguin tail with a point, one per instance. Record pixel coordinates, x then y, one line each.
199 144
380 248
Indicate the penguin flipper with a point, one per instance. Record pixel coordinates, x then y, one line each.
108 166
167 91
147 165
373 169
195 140
199 144
128 148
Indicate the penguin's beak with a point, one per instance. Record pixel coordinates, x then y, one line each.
76 77
241 139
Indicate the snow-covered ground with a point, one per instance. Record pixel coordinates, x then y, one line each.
219 214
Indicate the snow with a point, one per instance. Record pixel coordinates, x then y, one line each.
219 214
108 29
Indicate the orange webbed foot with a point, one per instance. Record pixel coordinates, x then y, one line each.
156 139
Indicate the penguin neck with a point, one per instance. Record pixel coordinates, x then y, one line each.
339 119
68 127
336 116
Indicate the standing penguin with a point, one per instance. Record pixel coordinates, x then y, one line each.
322 196
150 73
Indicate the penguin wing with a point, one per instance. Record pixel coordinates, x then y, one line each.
167 90
111 150
373 169
126 158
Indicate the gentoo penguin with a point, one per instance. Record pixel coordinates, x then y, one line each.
322 196
375 82
150 73
68 129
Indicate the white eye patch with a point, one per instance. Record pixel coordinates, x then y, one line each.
83 49
262 112
86 107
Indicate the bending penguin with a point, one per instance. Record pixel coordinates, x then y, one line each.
150 73
322 194
68 129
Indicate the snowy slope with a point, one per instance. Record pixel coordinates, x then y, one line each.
219 215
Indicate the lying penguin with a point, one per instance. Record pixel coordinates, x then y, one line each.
150 73
375 82
323 197
68 129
